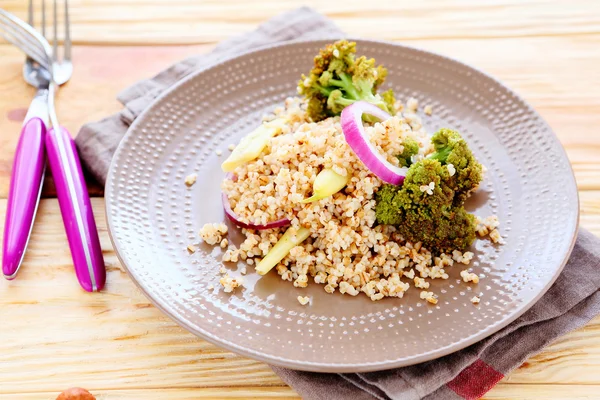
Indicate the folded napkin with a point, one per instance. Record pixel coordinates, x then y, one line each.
467 374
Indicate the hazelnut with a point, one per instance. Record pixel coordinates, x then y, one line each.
75 394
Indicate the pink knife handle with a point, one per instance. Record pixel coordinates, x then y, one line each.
76 209
24 195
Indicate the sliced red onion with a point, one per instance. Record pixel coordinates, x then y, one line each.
357 139
236 219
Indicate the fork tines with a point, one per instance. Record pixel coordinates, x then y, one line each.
25 37
56 15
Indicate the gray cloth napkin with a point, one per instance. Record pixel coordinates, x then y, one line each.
467 374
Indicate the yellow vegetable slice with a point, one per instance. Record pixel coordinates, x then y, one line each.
253 144
327 183
288 241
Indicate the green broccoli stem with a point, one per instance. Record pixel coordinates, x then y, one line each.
442 148
376 101
344 92
325 91
344 101
441 155
345 83
366 90
365 87
362 90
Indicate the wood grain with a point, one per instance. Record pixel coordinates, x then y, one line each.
54 336
216 393
190 21
547 392
501 392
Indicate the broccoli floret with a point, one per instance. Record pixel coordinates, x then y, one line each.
395 202
388 208
411 147
446 233
339 79
389 99
451 148
429 206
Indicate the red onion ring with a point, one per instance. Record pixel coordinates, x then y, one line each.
357 139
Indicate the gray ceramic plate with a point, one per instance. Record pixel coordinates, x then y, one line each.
153 216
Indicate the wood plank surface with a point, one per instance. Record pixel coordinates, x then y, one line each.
215 393
116 344
501 392
149 22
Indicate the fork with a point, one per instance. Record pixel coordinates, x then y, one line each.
62 154
30 160
63 159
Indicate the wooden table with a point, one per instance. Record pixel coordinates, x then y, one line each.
115 343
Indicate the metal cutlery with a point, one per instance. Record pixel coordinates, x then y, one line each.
30 157
62 154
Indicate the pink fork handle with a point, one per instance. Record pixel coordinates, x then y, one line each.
76 209
24 195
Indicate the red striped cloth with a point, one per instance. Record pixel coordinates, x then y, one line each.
475 380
